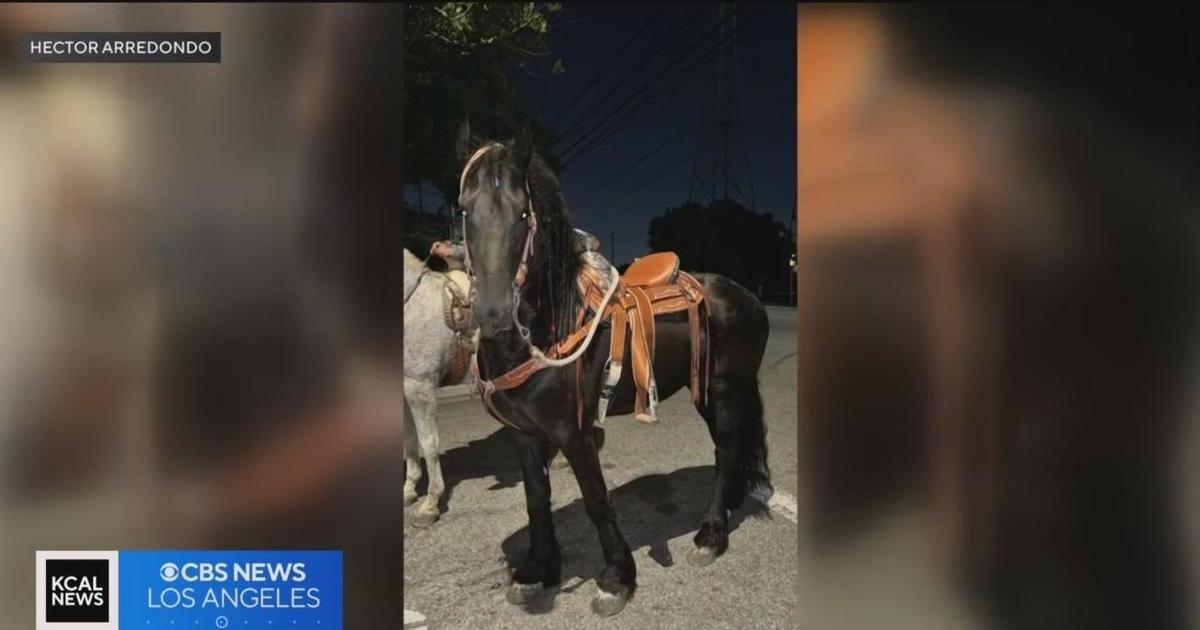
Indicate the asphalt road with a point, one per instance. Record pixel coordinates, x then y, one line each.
660 478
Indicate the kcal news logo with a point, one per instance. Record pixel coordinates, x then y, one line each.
172 589
76 589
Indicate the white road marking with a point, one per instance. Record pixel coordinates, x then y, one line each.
414 620
779 502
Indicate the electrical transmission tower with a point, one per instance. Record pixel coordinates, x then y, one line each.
720 168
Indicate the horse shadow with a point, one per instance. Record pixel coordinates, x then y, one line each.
492 456
651 510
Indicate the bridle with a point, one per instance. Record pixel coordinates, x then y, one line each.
526 249
523 272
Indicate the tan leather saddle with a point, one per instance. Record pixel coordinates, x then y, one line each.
652 286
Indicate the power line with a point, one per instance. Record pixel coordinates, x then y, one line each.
669 139
634 164
647 85
621 51
769 106
666 142
626 76
657 176
653 82
772 105
611 129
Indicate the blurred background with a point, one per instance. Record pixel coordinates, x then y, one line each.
997 237
200 275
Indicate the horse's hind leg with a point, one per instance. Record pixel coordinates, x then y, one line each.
543 566
619 579
412 476
423 399
734 418
412 456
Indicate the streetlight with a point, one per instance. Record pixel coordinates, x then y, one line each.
792 277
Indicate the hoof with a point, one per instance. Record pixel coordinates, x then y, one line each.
607 604
421 520
702 556
409 499
645 418
523 593
559 462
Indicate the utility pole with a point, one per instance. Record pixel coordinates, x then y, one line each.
721 164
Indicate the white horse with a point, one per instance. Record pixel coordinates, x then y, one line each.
430 346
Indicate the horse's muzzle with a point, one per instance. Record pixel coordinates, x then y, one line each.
493 321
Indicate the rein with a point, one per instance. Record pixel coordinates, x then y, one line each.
424 270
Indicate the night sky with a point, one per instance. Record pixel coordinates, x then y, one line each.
607 192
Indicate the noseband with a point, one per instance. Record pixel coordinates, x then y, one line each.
526 250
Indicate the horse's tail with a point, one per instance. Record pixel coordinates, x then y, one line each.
752 447
734 404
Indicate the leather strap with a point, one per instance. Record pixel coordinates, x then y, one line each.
517 376
643 354
616 358
486 390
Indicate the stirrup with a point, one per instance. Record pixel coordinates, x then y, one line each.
612 374
652 406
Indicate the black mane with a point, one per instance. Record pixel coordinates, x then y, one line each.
551 301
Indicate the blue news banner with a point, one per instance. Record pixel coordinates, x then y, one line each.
230 589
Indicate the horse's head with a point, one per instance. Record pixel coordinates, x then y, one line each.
498 223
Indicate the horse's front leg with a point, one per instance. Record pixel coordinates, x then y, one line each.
619 579
560 461
543 567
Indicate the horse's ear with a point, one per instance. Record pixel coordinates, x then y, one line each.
462 144
522 147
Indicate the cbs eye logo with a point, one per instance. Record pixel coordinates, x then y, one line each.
77 591
169 572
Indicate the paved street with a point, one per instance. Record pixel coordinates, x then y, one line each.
660 478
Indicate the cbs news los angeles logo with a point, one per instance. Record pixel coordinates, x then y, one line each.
76 589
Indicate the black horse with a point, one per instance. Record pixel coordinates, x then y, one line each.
501 185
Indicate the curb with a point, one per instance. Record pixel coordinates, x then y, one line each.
455 393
